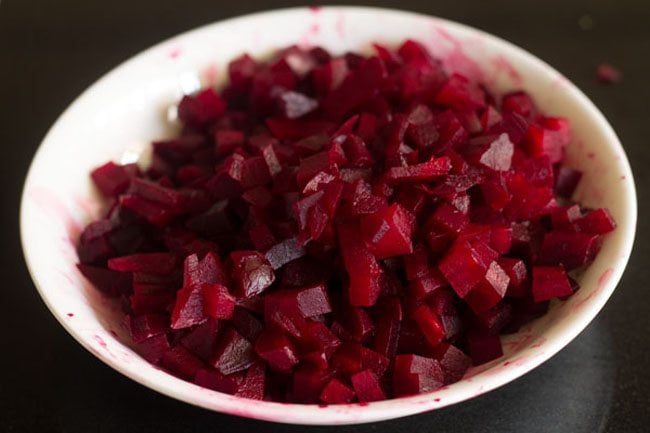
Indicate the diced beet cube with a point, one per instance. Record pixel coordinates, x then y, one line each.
206 106
462 267
111 179
336 392
459 93
154 348
316 337
146 326
181 362
226 141
518 275
111 283
367 387
550 282
155 263
232 353
212 379
189 308
571 249
284 252
562 218
453 361
251 272
549 139
246 324
354 324
217 302
351 358
520 103
448 218
307 383
422 287
254 384
388 232
200 340
430 170
413 374
483 347
430 325
209 270
362 267
151 303
277 351
598 221
566 181
490 291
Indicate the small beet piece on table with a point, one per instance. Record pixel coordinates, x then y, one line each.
341 228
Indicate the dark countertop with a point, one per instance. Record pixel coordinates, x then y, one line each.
51 51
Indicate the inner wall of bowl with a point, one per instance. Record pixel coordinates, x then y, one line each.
128 109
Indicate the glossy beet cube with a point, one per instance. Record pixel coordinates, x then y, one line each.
277 351
461 94
253 385
424 171
317 337
206 106
153 348
388 232
550 282
598 221
413 374
307 384
336 392
448 218
217 302
550 139
361 265
189 308
201 339
284 252
453 361
208 270
232 353
367 386
430 325
351 358
252 273
519 284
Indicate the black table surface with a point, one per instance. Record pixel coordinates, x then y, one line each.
51 51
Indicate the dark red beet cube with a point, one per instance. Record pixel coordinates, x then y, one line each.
146 326
189 307
111 179
181 362
336 392
214 380
453 361
155 263
388 232
277 351
253 385
232 353
154 348
367 386
463 267
200 340
252 272
413 374
430 325
483 347
490 291
550 282
571 249
217 302
598 221
362 267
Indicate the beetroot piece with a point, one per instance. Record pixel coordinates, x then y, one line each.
111 179
217 302
550 282
252 272
414 374
608 74
338 229
336 392
232 353
367 387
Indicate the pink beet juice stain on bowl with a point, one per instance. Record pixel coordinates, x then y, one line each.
339 229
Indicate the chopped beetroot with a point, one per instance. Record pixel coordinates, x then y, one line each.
550 282
336 392
413 374
217 302
252 272
111 179
336 229
277 351
367 386
232 353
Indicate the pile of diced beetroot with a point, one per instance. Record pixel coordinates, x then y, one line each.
340 229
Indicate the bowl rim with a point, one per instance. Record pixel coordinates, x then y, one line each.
358 412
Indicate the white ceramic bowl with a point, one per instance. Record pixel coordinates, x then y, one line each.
119 115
